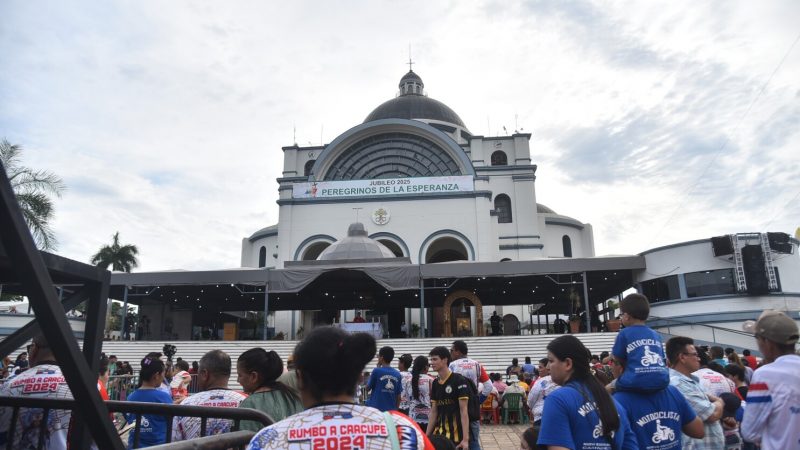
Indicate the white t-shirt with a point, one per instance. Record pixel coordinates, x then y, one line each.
339 426
543 387
405 379
472 370
43 381
772 414
714 382
184 428
418 409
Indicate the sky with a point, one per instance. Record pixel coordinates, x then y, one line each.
656 122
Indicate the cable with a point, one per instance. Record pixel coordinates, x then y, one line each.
725 142
780 211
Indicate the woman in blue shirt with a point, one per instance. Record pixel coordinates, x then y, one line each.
153 429
581 415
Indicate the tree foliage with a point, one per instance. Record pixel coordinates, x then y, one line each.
34 190
121 258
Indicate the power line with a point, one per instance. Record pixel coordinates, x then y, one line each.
724 143
780 211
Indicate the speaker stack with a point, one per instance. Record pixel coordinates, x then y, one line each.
755 270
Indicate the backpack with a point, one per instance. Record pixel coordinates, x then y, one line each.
473 403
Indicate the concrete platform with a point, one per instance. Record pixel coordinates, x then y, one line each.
501 437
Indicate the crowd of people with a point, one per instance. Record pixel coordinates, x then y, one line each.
643 394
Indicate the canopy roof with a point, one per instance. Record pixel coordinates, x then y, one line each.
383 283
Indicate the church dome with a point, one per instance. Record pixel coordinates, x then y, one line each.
413 104
357 245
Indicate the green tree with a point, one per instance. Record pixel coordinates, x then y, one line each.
34 190
121 258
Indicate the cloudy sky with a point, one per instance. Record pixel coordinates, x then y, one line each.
657 122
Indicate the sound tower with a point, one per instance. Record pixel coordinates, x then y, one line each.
754 270
722 245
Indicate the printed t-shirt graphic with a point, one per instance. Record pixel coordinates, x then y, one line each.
418 409
657 418
153 428
473 371
570 420
643 352
446 395
384 382
43 381
405 380
340 426
189 427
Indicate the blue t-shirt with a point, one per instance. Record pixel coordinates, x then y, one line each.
153 430
645 363
384 382
657 418
527 368
570 420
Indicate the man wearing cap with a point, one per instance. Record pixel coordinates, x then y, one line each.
772 414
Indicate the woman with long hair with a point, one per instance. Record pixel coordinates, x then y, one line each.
258 371
328 362
581 413
417 392
154 427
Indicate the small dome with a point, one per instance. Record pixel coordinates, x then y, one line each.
357 245
413 104
540 208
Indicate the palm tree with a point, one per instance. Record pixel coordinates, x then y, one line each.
33 189
121 258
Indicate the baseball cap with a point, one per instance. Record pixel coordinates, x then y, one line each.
774 326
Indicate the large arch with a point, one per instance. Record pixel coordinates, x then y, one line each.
319 242
471 298
442 241
385 237
362 152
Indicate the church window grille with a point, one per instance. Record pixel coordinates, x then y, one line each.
499 158
566 243
308 167
502 206
262 257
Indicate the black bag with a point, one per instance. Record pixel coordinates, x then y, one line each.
473 403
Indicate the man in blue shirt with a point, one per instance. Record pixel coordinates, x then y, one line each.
384 383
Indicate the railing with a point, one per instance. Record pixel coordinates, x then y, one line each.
119 387
236 438
669 321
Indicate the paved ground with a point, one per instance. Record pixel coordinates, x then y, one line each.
501 437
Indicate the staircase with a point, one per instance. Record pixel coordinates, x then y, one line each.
495 353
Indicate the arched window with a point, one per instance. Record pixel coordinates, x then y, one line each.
309 165
502 206
499 158
262 257
566 242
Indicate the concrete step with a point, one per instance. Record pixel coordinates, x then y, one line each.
495 353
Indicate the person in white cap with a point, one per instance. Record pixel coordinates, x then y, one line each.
772 414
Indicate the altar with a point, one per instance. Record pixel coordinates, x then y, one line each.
373 328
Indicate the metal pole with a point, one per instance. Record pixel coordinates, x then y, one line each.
124 311
539 323
586 303
422 327
266 310
293 335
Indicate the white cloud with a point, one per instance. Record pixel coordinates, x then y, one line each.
166 119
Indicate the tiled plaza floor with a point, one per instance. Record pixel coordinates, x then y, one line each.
501 437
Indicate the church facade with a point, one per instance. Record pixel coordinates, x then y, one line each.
424 186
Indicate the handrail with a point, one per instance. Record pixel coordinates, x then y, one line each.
234 439
139 408
712 327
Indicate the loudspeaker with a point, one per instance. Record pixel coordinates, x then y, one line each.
722 245
779 242
754 270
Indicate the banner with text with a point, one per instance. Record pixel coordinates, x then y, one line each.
388 186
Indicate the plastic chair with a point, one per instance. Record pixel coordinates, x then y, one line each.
488 407
512 403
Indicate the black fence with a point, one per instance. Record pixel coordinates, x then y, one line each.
233 439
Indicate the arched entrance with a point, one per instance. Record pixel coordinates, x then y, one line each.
446 249
314 250
458 322
510 325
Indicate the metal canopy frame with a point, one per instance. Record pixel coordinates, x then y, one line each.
33 274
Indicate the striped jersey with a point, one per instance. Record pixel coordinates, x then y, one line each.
772 413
